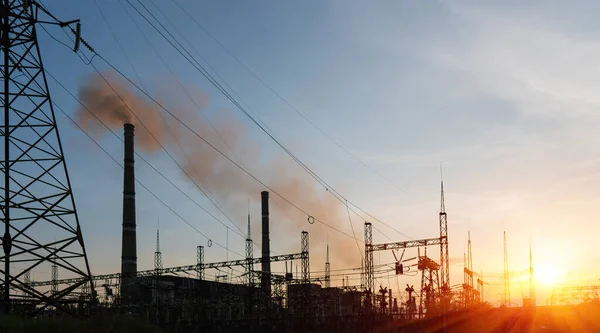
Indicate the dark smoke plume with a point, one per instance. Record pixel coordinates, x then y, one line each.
116 104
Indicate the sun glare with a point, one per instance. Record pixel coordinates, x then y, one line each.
546 274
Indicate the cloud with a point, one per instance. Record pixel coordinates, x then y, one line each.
543 70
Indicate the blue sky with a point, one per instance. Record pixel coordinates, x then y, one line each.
502 94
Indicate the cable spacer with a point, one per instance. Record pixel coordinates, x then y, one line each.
209 243
311 220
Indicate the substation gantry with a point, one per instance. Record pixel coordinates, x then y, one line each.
430 286
432 283
179 269
574 294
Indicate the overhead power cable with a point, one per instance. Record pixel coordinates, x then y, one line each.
188 94
186 54
169 128
141 157
137 180
185 125
95 54
211 145
284 100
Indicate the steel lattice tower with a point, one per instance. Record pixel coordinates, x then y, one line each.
327 270
305 269
249 256
444 259
200 262
369 272
158 265
36 199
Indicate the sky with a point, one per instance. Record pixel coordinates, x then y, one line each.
502 94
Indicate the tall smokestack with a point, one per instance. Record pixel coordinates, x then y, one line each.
266 251
128 247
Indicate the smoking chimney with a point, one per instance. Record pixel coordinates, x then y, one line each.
129 247
266 252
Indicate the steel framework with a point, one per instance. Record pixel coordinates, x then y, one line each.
249 256
41 227
200 262
430 285
158 265
327 270
574 294
180 269
442 241
444 258
368 269
304 252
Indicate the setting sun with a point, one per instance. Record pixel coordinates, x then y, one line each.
546 274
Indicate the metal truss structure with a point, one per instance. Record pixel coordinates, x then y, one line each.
433 286
574 294
304 253
430 285
200 262
442 241
181 269
369 271
470 294
327 270
41 227
249 255
370 248
158 264
444 256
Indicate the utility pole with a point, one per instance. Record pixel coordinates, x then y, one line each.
36 189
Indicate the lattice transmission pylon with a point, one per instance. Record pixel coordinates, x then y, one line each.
41 227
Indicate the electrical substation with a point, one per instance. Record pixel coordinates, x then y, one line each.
42 232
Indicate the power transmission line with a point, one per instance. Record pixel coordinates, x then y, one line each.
264 128
284 100
166 124
137 180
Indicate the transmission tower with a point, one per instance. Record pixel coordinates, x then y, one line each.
249 256
200 262
305 262
158 265
35 196
368 268
444 259
327 270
